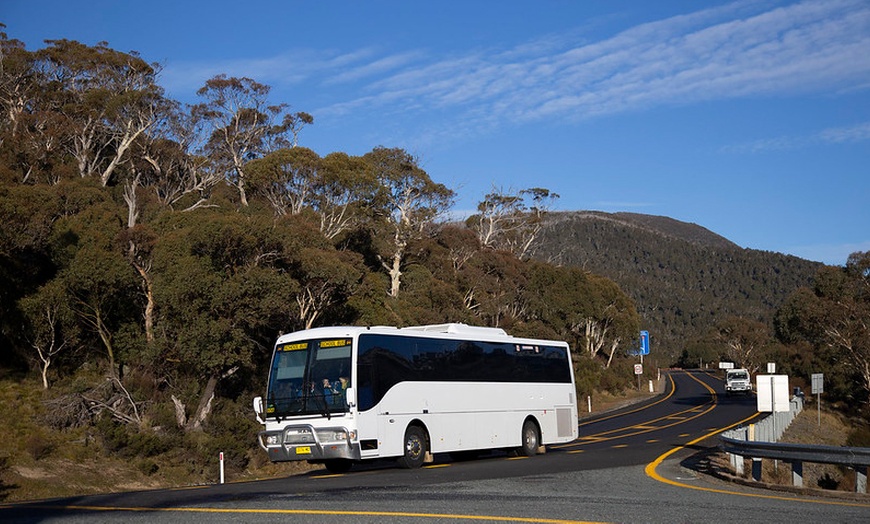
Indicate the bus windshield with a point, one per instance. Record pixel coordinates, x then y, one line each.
309 377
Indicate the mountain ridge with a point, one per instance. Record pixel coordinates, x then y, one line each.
683 277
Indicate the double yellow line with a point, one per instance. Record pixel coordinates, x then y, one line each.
651 472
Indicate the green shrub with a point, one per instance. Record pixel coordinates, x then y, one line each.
147 467
4 467
859 437
615 380
130 441
37 446
587 376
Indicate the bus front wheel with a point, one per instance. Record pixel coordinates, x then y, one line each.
530 442
415 448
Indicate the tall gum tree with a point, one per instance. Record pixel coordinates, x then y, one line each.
407 202
243 125
224 291
108 98
505 220
345 188
286 178
834 316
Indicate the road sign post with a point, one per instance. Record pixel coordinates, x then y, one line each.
644 342
818 389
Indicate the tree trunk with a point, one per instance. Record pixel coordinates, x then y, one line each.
180 415
45 364
195 422
395 275
148 314
106 338
613 347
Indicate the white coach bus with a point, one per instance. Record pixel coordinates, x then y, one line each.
337 395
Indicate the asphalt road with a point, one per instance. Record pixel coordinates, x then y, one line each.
641 464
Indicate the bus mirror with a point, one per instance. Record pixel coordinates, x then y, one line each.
350 395
258 409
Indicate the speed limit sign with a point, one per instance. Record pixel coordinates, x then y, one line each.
638 369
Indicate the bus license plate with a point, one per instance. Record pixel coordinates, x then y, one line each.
303 450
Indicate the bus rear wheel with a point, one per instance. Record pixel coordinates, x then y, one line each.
415 448
530 442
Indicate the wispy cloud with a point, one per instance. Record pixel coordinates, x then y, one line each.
741 49
724 52
835 135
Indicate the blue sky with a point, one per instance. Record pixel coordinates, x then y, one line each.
750 118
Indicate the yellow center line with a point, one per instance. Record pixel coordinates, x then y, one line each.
259 511
651 472
669 420
659 401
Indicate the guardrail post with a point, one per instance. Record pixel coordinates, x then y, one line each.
861 479
797 473
756 469
737 464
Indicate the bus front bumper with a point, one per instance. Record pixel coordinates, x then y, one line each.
304 442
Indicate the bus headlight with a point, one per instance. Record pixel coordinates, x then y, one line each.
332 435
272 439
336 435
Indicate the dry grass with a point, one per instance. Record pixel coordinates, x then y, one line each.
830 429
39 463
810 427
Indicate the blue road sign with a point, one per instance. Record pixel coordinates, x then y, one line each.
644 342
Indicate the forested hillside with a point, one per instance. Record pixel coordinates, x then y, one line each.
683 278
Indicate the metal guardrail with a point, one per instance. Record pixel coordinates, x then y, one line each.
758 441
771 427
789 452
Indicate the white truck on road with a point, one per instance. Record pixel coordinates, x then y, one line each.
737 381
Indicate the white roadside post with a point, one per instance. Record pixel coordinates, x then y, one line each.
222 466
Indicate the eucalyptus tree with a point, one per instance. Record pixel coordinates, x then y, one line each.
344 192
834 317
339 188
286 178
166 161
743 340
226 284
16 82
588 308
108 99
327 278
611 318
101 284
50 327
512 220
407 202
33 134
243 125
494 285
